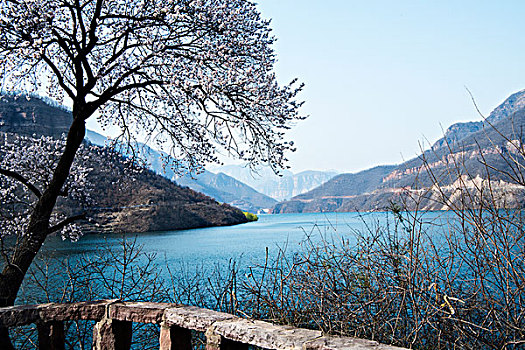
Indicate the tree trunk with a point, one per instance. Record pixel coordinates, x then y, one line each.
13 273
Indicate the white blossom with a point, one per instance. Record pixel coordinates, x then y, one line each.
33 160
195 77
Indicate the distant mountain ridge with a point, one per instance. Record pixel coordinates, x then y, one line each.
351 184
226 189
458 131
282 187
377 188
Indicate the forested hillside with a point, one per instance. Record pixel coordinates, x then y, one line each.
121 200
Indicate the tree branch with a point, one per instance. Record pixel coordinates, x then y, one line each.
65 222
110 93
22 180
59 76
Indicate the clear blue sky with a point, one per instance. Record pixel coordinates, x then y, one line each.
382 75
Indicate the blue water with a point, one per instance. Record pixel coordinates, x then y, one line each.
207 246
244 243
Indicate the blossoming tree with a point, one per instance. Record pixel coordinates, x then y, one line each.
26 165
193 76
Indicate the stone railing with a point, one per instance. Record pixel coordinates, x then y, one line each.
223 331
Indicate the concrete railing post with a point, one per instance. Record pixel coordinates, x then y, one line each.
111 334
174 338
215 341
50 335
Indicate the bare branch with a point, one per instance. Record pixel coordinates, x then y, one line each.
65 222
14 175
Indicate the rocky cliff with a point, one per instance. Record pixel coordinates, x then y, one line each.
32 116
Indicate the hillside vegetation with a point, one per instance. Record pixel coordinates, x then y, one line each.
220 187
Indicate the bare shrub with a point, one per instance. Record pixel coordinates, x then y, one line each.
449 280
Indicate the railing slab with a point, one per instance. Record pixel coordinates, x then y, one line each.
88 310
19 315
195 318
265 335
142 312
346 343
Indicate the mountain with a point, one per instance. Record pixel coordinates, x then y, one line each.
459 156
459 131
513 103
135 202
228 184
350 184
280 187
221 187
226 189
146 201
